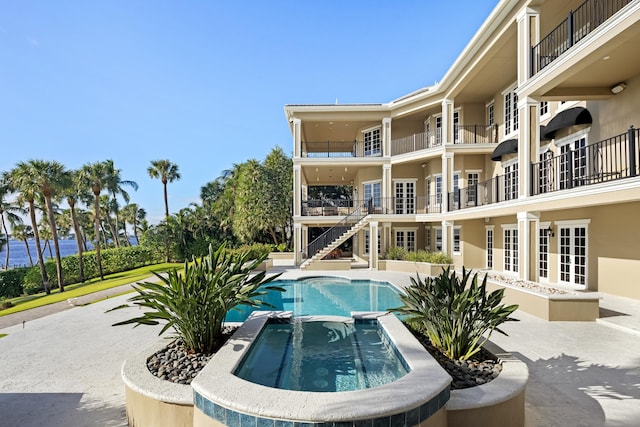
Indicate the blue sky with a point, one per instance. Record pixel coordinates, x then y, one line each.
204 83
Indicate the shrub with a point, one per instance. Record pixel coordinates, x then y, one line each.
195 302
11 282
401 254
4 304
452 315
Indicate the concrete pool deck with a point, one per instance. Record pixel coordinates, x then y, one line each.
63 367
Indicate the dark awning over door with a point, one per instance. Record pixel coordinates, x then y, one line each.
564 119
508 146
543 130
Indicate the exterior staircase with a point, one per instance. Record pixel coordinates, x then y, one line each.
334 237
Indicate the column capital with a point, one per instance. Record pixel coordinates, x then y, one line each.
297 167
447 155
447 101
386 166
522 216
526 12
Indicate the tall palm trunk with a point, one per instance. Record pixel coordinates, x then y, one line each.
26 245
36 235
6 233
97 230
56 244
79 243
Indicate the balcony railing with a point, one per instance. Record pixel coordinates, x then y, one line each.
609 160
580 22
337 149
378 205
462 134
497 189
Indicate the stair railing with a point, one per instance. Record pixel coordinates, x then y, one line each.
334 232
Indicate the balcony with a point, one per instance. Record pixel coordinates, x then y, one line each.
378 205
462 134
340 149
497 189
609 160
580 22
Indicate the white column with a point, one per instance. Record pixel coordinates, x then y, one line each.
386 241
447 236
447 121
373 245
526 258
447 179
528 137
297 190
387 190
296 132
297 242
528 36
386 137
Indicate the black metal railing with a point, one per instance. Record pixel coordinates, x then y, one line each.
609 160
580 22
334 232
337 149
378 205
497 189
475 134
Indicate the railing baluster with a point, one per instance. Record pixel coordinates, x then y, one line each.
632 151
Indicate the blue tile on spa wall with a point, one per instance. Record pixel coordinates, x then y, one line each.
382 422
397 420
233 418
363 423
265 422
281 423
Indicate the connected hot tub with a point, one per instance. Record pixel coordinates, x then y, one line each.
280 371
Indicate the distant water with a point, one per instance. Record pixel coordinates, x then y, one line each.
18 253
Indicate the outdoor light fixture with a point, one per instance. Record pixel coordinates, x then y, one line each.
550 232
618 87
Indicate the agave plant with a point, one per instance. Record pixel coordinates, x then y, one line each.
194 302
458 319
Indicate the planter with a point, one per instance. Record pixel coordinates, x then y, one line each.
330 264
497 403
282 258
265 265
152 401
412 267
568 306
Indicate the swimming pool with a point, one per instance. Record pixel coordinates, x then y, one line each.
333 296
326 355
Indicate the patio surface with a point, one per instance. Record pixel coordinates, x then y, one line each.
61 367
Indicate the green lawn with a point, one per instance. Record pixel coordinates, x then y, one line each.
89 287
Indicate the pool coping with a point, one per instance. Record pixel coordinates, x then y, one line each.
426 382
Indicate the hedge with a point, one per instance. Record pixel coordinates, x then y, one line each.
11 282
114 260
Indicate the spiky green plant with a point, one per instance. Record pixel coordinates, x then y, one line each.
193 303
454 316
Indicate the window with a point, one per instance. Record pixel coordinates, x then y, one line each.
372 194
438 239
511 181
456 124
490 115
545 171
510 235
427 132
490 247
543 252
544 108
456 190
438 189
406 239
573 243
456 240
472 188
372 143
367 240
405 201
510 112
427 238
428 180
573 162
438 130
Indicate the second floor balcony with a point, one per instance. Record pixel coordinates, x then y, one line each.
374 205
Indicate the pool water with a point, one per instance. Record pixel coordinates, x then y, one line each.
325 296
322 356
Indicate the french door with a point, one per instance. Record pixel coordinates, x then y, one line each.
573 254
405 192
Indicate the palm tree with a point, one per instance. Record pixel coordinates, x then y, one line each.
73 194
115 186
21 179
11 212
167 172
95 176
23 233
133 214
51 178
